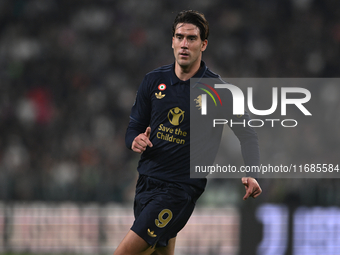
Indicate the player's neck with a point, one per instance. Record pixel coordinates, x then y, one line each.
185 73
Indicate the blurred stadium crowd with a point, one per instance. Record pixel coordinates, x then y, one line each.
69 71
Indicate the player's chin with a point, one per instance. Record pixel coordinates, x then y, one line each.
183 61
184 64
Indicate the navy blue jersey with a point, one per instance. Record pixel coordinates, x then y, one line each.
162 102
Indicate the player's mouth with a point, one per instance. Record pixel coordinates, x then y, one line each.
184 54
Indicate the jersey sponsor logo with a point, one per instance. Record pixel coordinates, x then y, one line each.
176 116
174 135
162 86
151 233
159 95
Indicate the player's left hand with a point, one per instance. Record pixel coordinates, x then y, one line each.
252 187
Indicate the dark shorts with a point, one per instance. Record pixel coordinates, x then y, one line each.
161 210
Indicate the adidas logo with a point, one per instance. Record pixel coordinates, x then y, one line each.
159 95
151 233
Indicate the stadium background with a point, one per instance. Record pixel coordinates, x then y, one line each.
69 71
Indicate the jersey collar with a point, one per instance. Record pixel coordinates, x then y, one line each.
175 80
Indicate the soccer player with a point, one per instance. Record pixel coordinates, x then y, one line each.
159 130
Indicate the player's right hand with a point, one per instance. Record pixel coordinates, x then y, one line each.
140 143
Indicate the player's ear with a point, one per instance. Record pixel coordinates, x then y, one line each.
204 45
172 44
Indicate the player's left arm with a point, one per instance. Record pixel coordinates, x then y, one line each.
249 144
251 155
252 187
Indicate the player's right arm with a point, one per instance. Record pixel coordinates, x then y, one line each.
141 141
137 137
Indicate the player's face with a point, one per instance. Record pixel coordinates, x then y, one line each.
187 45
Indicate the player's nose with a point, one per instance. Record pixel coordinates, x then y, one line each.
184 43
